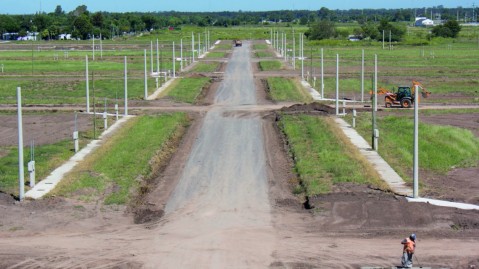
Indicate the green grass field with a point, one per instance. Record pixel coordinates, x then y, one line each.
270 65
186 90
112 172
284 89
323 155
264 54
205 67
441 147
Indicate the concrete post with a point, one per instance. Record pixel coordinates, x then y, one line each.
105 121
362 76
93 50
376 139
354 118
101 47
193 47
199 44
151 56
21 176
416 144
181 55
146 77
87 85
116 112
31 170
294 52
302 54
157 57
126 88
322 74
337 84
75 134
375 82
174 61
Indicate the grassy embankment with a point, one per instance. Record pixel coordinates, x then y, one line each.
441 148
115 170
324 156
284 89
186 90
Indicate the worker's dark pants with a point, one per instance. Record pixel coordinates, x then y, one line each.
406 260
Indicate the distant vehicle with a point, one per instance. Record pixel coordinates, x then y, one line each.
404 97
237 43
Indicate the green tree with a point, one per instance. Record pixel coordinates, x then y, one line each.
396 32
83 27
450 29
323 29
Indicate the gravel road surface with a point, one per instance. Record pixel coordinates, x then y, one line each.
219 214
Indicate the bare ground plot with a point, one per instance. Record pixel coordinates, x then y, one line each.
44 128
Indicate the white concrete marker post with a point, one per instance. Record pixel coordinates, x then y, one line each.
376 82
376 139
75 135
116 112
157 57
146 77
87 85
151 56
302 53
181 54
21 176
416 144
294 52
337 84
31 164
174 61
193 47
354 118
199 44
93 48
126 88
101 48
105 118
362 76
322 74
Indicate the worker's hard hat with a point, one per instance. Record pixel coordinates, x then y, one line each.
412 237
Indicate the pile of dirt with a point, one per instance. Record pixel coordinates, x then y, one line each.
311 108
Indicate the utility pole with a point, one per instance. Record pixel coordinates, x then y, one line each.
21 176
87 86
337 84
362 77
416 143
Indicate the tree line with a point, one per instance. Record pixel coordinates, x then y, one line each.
82 24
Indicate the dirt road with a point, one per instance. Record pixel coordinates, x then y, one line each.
219 213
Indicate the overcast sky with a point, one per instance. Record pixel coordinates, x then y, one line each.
33 6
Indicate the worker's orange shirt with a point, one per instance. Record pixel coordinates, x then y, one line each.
409 245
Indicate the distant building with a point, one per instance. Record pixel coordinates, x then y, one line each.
65 37
423 22
9 36
354 38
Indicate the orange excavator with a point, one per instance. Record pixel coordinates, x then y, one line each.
405 96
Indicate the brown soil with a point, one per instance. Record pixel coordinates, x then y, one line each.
351 227
43 128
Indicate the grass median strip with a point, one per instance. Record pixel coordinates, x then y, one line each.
186 90
324 156
115 170
284 89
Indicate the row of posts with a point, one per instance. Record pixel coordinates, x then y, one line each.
281 47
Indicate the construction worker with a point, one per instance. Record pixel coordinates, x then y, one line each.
408 250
